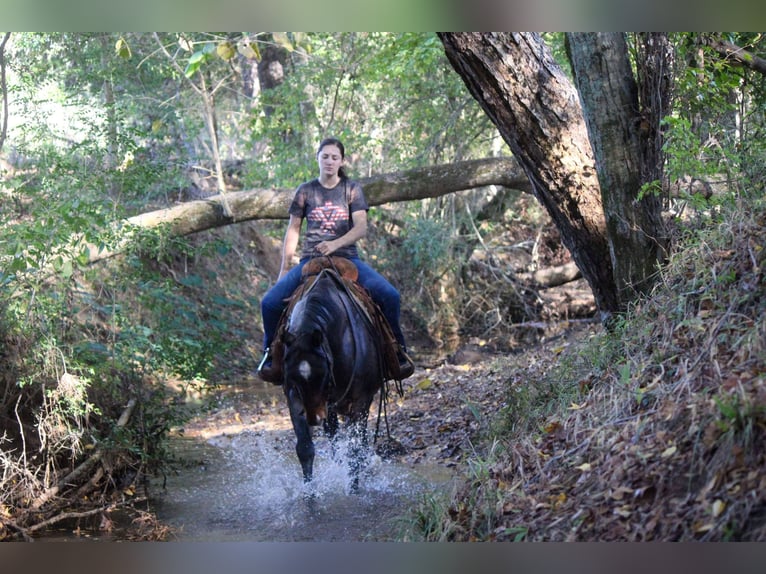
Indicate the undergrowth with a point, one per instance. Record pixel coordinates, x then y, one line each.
651 431
98 365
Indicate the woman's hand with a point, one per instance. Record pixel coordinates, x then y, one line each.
325 247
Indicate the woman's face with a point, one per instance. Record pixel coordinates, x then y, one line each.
330 160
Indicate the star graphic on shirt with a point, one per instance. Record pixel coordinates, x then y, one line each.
328 216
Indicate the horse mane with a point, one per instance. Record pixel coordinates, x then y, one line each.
317 307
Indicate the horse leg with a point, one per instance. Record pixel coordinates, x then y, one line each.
358 448
304 445
330 425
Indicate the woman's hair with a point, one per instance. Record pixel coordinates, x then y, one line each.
337 143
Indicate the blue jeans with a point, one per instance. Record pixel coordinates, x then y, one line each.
383 293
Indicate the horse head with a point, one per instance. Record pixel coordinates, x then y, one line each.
308 372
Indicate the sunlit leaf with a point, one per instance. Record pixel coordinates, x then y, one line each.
199 57
620 492
194 63
558 499
699 528
122 49
84 256
248 50
668 452
225 50
185 44
718 507
553 427
66 269
282 39
424 384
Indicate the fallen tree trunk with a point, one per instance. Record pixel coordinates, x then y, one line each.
420 183
552 276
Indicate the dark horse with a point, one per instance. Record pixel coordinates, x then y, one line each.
332 367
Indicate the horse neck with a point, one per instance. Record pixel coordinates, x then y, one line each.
321 308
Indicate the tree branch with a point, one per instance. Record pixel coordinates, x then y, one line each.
552 276
738 55
194 216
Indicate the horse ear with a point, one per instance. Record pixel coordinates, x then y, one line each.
316 338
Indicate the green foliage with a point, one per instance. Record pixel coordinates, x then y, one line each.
206 54
687 155
393 100
713 133
527 404
426 249
93 140
426 521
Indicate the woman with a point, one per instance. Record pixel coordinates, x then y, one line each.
336 213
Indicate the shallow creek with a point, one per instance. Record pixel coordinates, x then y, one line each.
237 478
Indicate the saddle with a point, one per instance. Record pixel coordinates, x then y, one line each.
348 274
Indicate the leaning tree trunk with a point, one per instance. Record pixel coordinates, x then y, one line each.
609 96
536 109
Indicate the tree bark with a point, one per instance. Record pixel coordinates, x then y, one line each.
421 183
609 96
654 74
271 70
536 109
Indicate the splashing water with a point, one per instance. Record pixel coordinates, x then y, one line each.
250 488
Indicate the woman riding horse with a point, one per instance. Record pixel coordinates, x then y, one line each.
336 213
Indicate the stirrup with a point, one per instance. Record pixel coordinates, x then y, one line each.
266 355
266 370
406 366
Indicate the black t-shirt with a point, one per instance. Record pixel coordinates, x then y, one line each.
327 213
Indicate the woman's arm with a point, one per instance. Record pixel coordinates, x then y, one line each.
357 232
289 244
